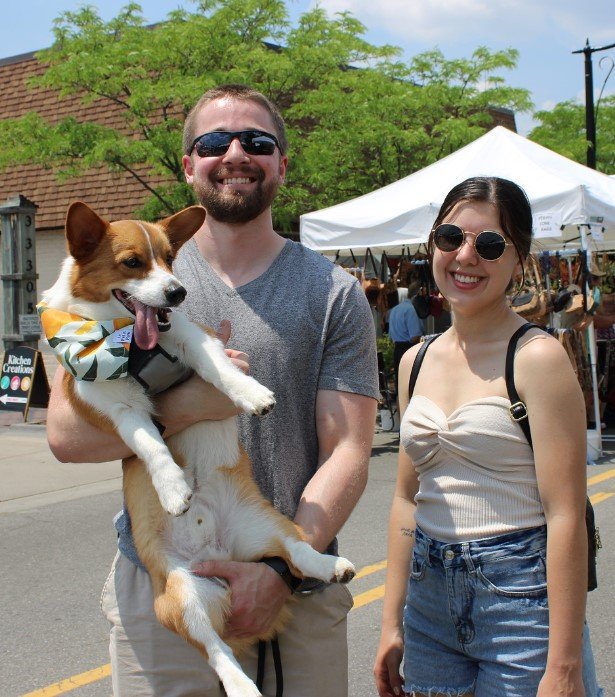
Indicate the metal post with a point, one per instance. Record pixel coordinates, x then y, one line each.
594 437
590 121
21 325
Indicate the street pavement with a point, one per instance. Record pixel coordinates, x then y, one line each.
30 477
30 474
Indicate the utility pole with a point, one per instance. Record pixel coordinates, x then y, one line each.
590 121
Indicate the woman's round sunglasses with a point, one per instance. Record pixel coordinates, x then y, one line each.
216 143
488 244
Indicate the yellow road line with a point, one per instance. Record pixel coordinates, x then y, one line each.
59 688
360 600
601 477
368 597
102 672
367 570
600 496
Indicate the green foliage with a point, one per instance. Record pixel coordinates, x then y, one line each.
563 130
358 118
368 128
607 282
385 344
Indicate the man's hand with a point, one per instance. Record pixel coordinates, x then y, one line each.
257 595
239 358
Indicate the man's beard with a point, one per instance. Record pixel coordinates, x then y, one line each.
230 205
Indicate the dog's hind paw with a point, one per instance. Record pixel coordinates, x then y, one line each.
344 571
173 492
240 685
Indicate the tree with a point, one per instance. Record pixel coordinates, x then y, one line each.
358 118
563 130
368 128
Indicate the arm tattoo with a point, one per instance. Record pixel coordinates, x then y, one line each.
407 532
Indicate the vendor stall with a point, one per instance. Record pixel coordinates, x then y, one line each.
563 194
573 208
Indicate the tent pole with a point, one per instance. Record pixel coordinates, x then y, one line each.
591 341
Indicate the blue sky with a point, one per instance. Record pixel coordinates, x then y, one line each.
545 32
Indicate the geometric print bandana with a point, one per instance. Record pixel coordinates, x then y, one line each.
88 349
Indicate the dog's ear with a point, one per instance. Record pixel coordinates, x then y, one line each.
180 227
84 230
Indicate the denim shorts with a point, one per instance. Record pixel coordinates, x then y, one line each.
476 619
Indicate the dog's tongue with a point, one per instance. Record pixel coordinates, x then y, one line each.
146 326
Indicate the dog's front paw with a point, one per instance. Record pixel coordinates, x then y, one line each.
173 491
257 399
344 571
264 404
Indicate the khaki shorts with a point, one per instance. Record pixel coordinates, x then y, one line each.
148 660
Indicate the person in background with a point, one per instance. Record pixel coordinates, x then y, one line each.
307 330
405 326
487 545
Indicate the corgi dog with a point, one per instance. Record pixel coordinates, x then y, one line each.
192 498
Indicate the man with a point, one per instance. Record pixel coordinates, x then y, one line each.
306 328
405 326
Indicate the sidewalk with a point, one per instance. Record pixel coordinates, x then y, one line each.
30 475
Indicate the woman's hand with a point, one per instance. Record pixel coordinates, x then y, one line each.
388 661
564 681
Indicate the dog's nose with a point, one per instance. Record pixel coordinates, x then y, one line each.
175 295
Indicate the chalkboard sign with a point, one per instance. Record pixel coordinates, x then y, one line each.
23 381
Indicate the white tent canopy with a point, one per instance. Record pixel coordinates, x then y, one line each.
563 194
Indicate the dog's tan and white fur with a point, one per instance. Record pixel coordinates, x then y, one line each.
193 498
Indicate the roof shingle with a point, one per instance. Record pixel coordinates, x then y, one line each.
113 195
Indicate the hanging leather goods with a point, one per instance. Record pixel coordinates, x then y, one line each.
545 267
531 301
373 285
382 301
404 269
389 281
355 270
577 312
358 270
421 299
562 295
607 296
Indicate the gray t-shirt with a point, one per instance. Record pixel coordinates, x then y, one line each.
306 326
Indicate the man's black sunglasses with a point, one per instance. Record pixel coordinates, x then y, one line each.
216 143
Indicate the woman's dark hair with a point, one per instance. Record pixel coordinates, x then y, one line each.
509 200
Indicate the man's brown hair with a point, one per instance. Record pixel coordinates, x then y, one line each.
239 92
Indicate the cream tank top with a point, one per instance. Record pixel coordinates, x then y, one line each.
475 468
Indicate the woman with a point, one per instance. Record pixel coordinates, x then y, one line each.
479 521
